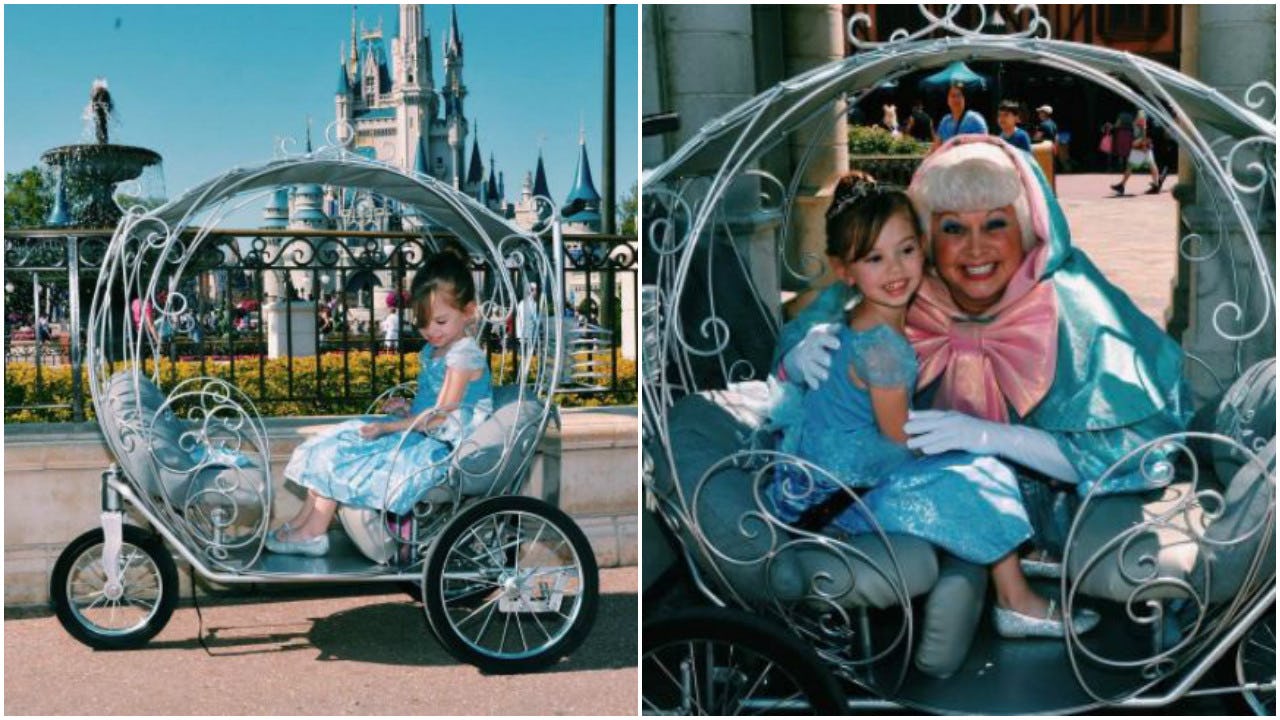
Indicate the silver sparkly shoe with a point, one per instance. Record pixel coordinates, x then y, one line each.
1013 624
317 546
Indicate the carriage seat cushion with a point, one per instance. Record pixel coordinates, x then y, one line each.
496 450
1245 412
1212 554
706 428
952 614
148 440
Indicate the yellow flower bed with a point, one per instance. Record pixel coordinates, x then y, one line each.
269 378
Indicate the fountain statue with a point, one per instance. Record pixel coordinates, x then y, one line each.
91 171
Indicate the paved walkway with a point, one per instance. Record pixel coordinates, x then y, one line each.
1131 238
299 654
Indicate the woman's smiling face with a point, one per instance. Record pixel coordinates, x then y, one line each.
976 254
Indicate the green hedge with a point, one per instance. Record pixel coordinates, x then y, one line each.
272 376
890 160
875 140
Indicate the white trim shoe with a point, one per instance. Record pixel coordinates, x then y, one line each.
317 546
1013 624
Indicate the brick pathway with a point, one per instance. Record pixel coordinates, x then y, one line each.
1132 239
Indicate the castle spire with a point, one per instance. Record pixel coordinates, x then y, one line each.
583 203
475 169
355 55
540 187
493 179
453 44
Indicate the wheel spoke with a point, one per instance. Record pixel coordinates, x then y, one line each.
493 607
502 641
524 644
487 603
516 560
101 597
695 690
140 603
537 622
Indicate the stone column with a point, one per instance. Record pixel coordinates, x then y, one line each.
296 333
1232 48
701 68
813 36
704 66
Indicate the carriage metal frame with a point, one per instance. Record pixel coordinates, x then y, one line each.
508 582
774 642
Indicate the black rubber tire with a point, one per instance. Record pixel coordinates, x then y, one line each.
755 641
95 637
496 661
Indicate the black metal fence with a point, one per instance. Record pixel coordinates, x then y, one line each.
354 282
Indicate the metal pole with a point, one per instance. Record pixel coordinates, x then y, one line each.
35 325
608 216
73 324
608 220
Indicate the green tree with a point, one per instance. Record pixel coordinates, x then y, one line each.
627 211
27 199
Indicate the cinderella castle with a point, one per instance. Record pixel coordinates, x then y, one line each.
389 108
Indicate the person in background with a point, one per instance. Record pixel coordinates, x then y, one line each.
958 121
919 124
1007 117
1141 156
528 320
890 120
391 330
1046 129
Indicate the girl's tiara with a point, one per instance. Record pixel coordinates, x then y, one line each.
852 189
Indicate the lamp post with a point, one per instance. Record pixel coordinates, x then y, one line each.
997 26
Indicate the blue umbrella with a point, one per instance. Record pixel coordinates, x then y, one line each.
956 72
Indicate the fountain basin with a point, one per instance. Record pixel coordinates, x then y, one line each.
101 162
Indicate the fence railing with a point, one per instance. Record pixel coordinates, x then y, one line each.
349 282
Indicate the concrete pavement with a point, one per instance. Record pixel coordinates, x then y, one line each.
1132 238
298 653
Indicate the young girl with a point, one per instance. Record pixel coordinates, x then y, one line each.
356 462
852 425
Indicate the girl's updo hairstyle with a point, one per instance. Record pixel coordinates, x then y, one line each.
447 272
859 209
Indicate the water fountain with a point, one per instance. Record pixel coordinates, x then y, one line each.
91 171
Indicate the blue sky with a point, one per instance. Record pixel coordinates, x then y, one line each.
210 87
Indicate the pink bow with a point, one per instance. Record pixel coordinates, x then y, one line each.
1008 358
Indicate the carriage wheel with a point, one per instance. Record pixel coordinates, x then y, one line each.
511 585
121 618
1255 662
713 661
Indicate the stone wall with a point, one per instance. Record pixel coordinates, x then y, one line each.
52 487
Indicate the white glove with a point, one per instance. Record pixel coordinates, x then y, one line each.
937 431
810 360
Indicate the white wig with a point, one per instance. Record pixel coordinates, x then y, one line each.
966 178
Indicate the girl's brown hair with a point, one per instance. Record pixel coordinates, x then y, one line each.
447 272
859 209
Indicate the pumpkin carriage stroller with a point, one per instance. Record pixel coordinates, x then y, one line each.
791 620
508 582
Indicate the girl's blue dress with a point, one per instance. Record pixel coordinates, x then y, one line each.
967 504
340 464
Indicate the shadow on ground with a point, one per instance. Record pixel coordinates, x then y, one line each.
396 632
